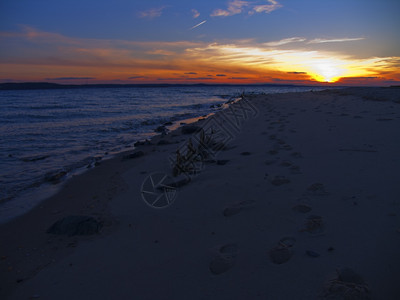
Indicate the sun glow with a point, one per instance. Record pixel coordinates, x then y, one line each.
328 71
297 64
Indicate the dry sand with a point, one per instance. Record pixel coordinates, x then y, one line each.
303 202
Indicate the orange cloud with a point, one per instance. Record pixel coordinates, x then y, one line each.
234 7
267 8
195 13
35 55
238 6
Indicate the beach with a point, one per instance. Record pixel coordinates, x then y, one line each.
288 196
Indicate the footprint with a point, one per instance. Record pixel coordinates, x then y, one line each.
229 249
314 225
287 147
270 162
224 260
347 285
281 142
295 169
286 163
273 152
296 154
238 207
280 180
317 189
302 208
287 241
282 252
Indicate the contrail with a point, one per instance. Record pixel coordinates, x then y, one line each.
201 23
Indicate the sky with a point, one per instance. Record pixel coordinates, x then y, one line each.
341 42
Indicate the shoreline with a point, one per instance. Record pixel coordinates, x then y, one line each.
50 187
276 155
53 182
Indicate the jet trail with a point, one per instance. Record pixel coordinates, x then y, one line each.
201 23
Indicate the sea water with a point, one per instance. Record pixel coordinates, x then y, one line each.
45 133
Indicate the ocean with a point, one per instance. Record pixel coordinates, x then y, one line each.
45 133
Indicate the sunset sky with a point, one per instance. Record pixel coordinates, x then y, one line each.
345 42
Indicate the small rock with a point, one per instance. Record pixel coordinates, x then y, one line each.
245 153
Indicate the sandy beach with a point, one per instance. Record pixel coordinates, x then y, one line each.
288 196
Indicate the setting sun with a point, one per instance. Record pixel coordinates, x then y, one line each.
327 71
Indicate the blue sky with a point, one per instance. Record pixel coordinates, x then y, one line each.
360 35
